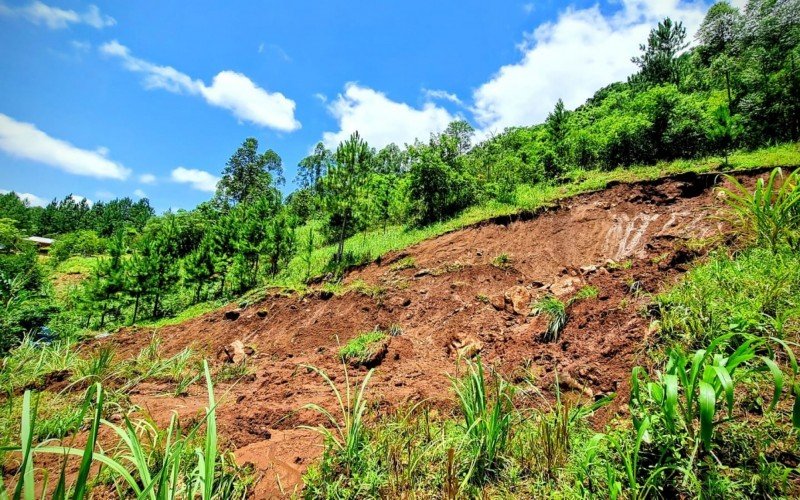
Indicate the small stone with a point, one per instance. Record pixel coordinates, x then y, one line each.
498 301
422 272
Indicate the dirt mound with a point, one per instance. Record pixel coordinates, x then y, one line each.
456 296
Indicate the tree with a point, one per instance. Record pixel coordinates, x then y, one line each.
198 267
720 29
344 182
248 175
313 168
659 61
556 124
723 132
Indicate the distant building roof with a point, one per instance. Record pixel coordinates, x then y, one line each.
39 240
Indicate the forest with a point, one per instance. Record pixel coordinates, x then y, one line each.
726 100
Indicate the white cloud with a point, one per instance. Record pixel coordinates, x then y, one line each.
443 95
147 179
197 179
229 90
56 18
24 140
139 193
81 46
571 58
32 199
380 120
78 198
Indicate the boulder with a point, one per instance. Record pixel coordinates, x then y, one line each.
498 301
520 299
565 286
235 352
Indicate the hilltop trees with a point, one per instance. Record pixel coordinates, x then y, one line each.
343 184
249 175
659 63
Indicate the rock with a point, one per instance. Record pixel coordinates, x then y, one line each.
565 286
235 352
374 357
520 299
422 272
588 269
232 315
471 348
498 301
262 313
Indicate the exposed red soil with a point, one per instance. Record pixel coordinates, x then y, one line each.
454 299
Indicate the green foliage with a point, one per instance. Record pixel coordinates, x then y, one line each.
347 439
84 243
770 214
362 347
487 415
556 312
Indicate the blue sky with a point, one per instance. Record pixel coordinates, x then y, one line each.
150 98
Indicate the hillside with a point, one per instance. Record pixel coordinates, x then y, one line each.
448 297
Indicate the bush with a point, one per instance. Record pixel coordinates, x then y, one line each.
84 243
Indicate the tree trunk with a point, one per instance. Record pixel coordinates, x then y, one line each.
340 250
136 308
155 306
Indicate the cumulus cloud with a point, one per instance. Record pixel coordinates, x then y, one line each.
572 57
139 193
197 179
229 90
147 179
381 120
31 199
56 18
24 140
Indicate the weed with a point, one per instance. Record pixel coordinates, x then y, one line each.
770 214
586 293
361 348
556 311
484 299
404 263
487 421
348 437
502 261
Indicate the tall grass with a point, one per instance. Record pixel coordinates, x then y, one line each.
769 215
556 312
348 437
139 466
487 413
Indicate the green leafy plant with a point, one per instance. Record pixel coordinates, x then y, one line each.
693 390
348 436
487 415
769 214
502 261
556 312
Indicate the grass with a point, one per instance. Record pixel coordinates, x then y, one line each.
362 347
556 312
149 463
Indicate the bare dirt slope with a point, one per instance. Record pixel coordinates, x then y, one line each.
453 301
